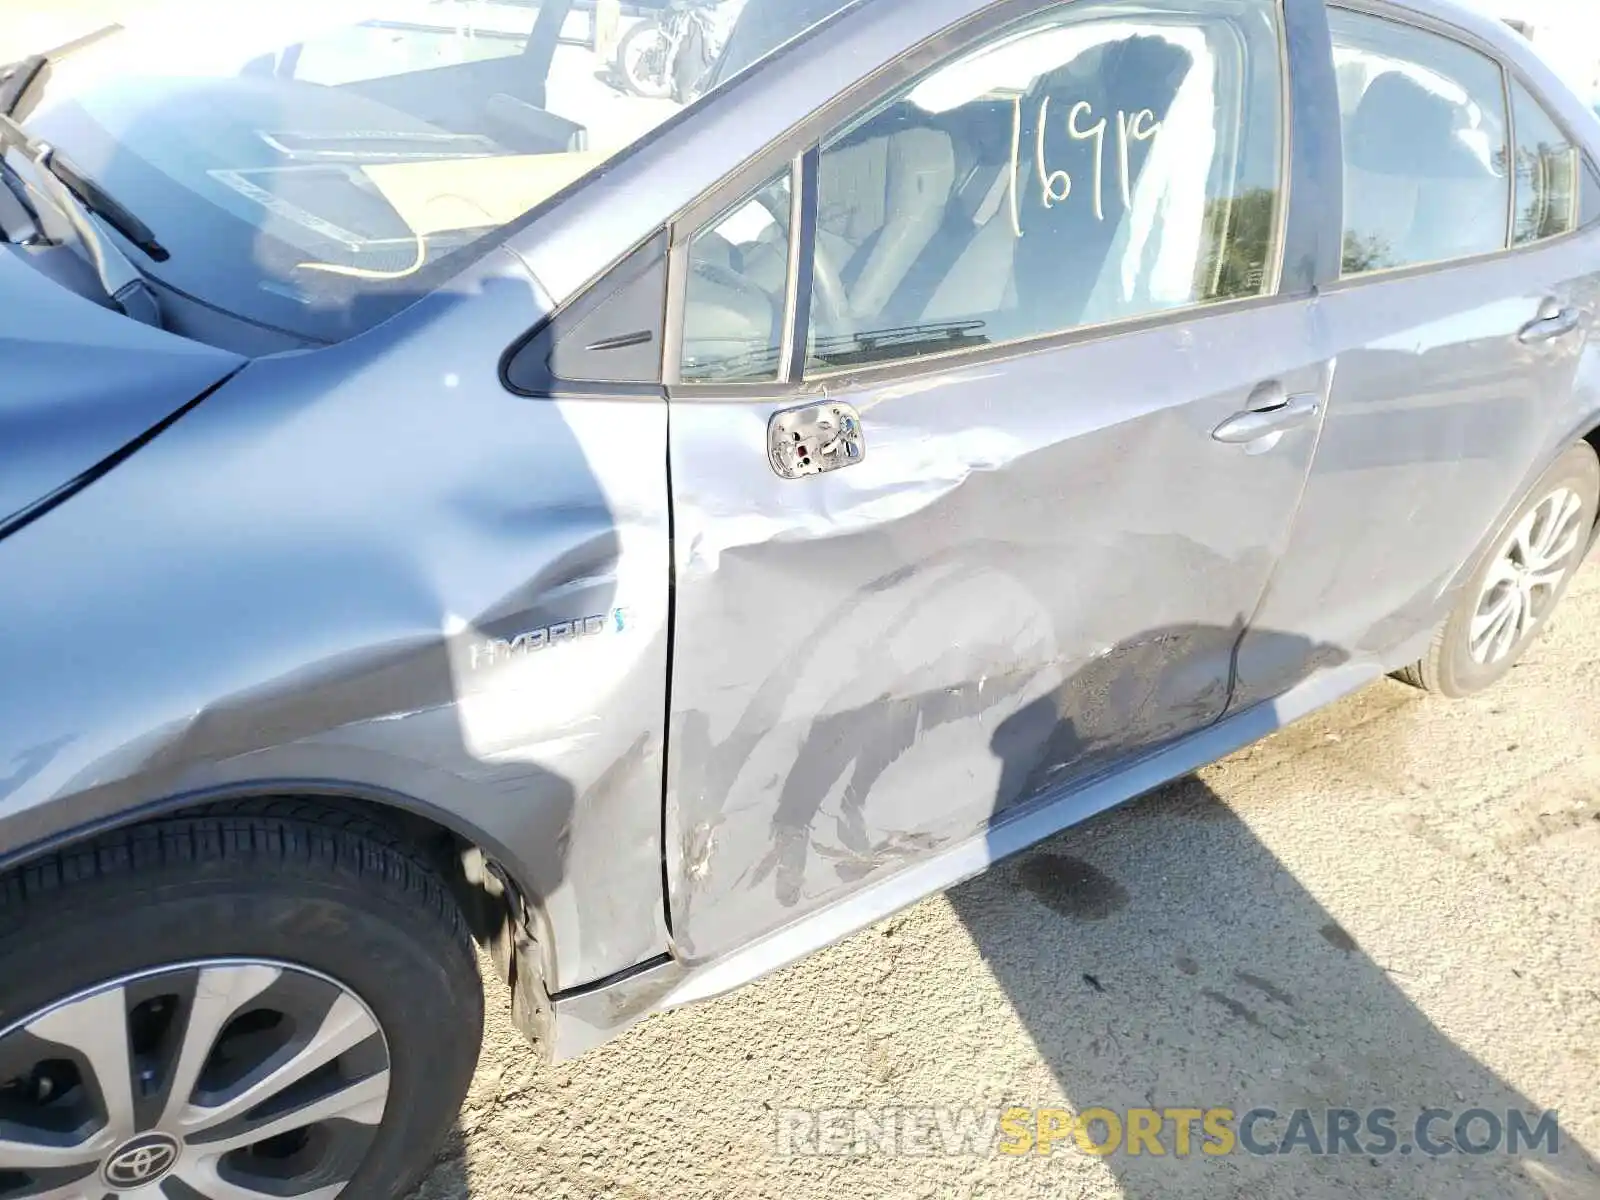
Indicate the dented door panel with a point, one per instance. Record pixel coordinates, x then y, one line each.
1040 566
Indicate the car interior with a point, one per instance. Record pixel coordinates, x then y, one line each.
1424 169
1412 185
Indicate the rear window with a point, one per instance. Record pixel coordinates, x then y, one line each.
1549 172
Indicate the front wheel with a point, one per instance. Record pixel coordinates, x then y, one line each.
279 1002
1508 602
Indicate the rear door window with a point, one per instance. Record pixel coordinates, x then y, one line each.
1425 146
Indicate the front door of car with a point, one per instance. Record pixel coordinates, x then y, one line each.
979 475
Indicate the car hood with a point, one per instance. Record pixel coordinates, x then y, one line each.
80 383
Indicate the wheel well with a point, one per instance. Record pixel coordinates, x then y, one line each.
479 886
1593 438
475 880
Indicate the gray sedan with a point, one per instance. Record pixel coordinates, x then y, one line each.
445 500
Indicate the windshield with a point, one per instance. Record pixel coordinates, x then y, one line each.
312 165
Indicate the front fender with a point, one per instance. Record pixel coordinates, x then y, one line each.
310 577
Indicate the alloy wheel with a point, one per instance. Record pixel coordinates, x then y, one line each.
1525 579
227 1079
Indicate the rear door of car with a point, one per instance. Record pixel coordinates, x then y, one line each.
991 406
1466 300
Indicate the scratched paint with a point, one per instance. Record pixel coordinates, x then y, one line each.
886 657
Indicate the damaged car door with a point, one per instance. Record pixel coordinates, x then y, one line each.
990 416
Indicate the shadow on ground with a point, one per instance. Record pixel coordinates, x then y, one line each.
1162 957
449 1178
1159 957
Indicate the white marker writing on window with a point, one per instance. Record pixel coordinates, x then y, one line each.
1056 185
1050 179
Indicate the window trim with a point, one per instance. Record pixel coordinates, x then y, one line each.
804 180
1425 22
1511 155
1041 343
802 147
580 306
681 232
802 139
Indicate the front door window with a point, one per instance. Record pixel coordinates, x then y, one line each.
1108 162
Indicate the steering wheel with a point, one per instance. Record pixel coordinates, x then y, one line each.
833 303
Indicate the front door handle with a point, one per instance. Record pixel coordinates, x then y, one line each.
1257 423
1548 326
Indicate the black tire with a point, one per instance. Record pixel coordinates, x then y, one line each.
1449 667
632 52
295 883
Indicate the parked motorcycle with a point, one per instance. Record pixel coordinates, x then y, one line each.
671 55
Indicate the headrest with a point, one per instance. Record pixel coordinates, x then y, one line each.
1145 72
1401 128
1132 73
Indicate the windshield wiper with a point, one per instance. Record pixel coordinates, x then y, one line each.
16 78
80 201
88 193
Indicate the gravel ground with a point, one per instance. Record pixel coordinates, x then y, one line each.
1390 903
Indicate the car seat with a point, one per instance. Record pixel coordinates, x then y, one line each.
1415 191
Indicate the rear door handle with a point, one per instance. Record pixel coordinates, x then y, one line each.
1548 327
1256 423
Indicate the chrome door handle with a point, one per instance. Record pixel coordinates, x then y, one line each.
1259 423
1548 328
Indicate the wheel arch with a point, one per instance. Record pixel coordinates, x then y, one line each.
1587 431
1592 436
487 881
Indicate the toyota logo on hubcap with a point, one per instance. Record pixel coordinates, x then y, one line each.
141 1161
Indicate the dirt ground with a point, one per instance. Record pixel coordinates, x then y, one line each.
1392 903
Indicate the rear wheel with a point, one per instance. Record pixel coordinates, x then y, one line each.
271 1003
1508 602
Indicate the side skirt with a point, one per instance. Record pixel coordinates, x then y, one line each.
580 1020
